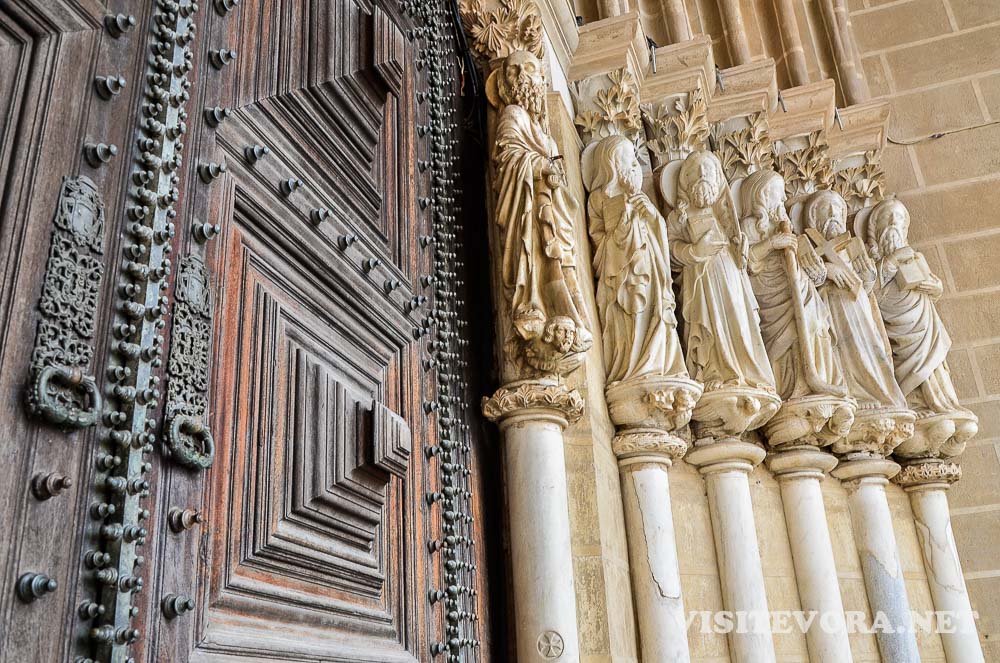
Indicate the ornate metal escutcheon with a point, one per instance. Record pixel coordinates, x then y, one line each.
61 391
186 433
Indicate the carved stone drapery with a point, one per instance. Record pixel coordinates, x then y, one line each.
61 392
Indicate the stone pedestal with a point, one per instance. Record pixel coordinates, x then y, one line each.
532 416
865 479
646 411
799 471
726 464
926 482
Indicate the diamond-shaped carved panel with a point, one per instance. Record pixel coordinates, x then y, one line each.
314 508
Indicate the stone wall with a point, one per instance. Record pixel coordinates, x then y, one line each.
938 63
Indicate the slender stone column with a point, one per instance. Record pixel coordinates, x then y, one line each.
644 459
865 480
735 31
799 472
532 416
726 465
926 482
676 18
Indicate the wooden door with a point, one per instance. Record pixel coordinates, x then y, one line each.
227 430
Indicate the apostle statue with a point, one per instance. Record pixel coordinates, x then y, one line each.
538 267
724 347
863 347
795 321
906 291
634 288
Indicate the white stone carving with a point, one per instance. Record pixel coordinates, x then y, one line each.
724 347
795 322
906 291
882 419
538 265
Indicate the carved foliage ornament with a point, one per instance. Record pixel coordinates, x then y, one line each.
675 134
617 110
533 395
745 151
863 185
61 392
514 26
923 473
187 434
807 169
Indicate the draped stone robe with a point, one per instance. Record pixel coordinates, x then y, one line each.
634 295
779 328
722 328
537 232
919 341
862 344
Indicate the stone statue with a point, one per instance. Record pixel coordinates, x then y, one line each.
795 321
906 291
634 285
537 263
882 419
724 347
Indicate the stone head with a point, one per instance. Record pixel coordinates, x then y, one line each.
701 179
560 333
763 196
889 226
826 211
616 167
522 82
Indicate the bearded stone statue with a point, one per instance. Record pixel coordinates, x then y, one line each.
906 291
538 267
725 350
795 321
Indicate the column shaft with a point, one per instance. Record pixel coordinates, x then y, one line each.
799 473
735 31
656 582
542 563
876 543
726 466
944 572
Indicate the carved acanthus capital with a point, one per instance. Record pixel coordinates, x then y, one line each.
513 26
612 109
746 150
861 184
520 398
676 128
876 432
643 443
804 163
928 472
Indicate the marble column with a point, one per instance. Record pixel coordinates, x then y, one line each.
726 464
799 472
926 482
532 416
865 479
644 459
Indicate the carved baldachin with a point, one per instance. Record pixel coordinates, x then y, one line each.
745 151
533 396
674 135
807 169
861 186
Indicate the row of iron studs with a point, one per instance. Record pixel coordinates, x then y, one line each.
445 326
123 463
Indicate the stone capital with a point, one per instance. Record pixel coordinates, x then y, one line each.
800 463
542 399
638 445
725 456
871 469
927 474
